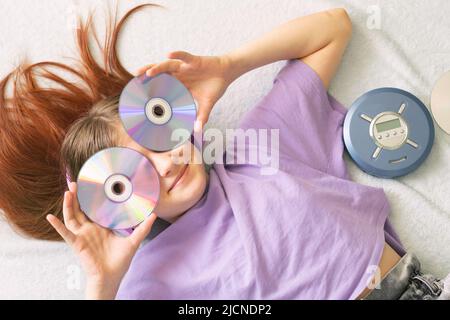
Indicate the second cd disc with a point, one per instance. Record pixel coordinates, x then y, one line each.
153 108
118 188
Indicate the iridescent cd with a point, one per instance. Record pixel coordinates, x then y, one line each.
440 102
118 188
157 112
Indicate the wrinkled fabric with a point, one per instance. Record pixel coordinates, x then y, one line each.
306 232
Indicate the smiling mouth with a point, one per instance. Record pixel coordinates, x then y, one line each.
180 176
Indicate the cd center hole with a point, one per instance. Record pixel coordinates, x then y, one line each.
118 188
158 111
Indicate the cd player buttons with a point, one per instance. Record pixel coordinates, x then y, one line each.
388 130
376 153
412 143
366 117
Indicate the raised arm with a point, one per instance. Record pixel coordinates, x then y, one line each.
319 40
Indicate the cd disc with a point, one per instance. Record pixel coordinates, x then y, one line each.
440 102
118 188
152 108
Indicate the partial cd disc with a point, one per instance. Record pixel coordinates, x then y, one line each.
440 102
118 188
157 112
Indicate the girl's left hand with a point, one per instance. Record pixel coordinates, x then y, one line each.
206 77
104 256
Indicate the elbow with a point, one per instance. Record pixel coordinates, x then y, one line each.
341 19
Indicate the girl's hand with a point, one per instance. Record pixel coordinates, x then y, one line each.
206 77
104 256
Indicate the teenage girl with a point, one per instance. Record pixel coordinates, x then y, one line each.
307 232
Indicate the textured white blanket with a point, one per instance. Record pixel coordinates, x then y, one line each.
402 43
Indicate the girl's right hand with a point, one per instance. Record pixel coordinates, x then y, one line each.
206 77
104 256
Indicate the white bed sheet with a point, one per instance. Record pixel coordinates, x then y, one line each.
410 49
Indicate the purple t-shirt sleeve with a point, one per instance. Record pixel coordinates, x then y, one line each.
308 118
310 123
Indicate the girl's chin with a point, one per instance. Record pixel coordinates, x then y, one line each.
175 204
183 197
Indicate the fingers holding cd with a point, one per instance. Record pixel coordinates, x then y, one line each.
182 55
65 233
143 69
168 66
142 230
156 68
70 220
203 115
79 215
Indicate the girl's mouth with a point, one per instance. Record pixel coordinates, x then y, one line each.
179 180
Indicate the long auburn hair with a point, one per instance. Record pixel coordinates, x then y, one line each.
35 118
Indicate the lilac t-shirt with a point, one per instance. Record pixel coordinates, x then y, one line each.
306 232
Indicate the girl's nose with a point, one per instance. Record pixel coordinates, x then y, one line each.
163 164
166 162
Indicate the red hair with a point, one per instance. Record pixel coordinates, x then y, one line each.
34 120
